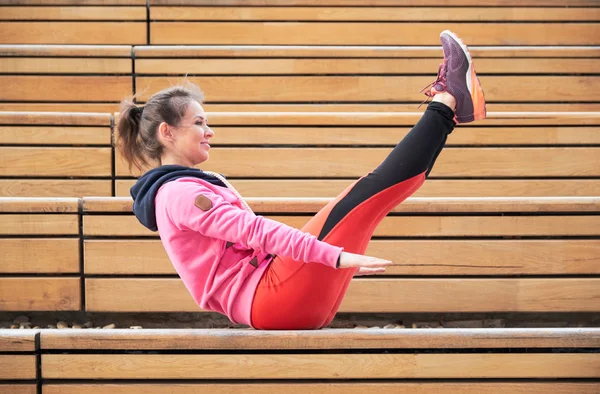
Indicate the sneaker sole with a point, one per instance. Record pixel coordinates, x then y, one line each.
473 84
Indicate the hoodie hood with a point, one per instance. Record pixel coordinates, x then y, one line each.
145 189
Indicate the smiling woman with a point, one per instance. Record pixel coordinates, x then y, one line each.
255 270
186 144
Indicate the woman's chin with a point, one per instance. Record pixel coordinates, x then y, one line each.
202 160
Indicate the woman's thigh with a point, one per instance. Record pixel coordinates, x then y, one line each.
299 295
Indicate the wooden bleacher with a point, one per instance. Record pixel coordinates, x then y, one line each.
452 255
18 369
314 22
517 154
328 86
366 79
58 78
55 154
238 78
465 361
67 22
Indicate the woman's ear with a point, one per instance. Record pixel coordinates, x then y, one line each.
165 132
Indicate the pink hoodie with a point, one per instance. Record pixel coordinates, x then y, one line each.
221 250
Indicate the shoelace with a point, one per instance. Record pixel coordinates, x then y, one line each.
230 187
441 80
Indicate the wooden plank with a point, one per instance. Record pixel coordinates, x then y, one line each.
17 367
39 255
106 295
113 225
473 295
126 257
54 187
490 257
325 118
397 109
99 51
394 226
319 366
81 13
250 188
64 88
474 136
276 205
540 3
493 108
225 339
84 2
30 161
369 33
18 388
23 65
40 294
26 204
327 66
61 107
17 340
266 51
411 257
452 162
555 387
474 226
354 14
441 205
375 295
90 33
39 224
110 204
49 135
54 119
372 88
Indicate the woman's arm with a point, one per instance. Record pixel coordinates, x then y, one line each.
193 206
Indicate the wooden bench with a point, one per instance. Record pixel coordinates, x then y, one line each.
77 78
260 78
55 154
465 361
40 243
68 22
18 361
334 361
518 154
437 245
314 22
452 255
244 79
318 154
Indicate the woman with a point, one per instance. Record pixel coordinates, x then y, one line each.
257 271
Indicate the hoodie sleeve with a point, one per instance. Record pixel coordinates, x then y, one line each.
193 206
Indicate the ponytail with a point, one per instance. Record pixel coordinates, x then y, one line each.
128 131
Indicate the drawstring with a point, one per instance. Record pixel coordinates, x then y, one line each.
230 187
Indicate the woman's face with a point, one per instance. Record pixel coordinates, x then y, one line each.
189 146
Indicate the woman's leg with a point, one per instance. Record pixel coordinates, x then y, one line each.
297 295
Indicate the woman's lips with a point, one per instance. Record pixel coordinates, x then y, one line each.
205 143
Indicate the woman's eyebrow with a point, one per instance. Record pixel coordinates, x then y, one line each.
201 117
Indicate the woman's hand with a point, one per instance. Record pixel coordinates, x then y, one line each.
367 265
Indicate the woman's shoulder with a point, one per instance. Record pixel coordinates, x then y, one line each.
186 184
